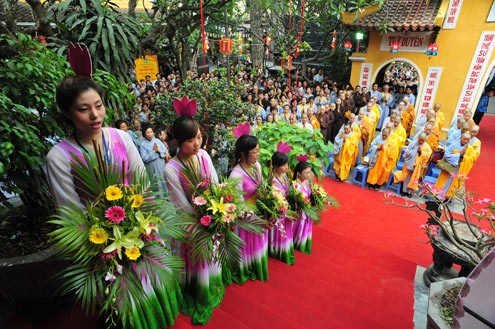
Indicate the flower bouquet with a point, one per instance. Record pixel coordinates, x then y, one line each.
320 198
119 247
272 205
312 205
219 208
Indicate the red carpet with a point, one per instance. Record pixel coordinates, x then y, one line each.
360 274
482 178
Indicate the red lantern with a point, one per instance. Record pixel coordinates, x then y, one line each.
432 50
348 46
225 46
394 47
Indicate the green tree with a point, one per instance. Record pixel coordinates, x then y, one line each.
30 120
112 38
173 22
219 109
321 18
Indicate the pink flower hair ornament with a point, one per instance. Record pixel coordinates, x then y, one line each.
283 147
302 158
185 107
80 59
241 129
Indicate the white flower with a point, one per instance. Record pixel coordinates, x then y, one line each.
110 276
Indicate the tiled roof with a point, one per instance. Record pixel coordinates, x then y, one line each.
403 15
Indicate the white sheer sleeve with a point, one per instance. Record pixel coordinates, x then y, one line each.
60 179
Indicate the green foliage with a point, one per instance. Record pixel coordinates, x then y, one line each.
219 108
112 38
302 140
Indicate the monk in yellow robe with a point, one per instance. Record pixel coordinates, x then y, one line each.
376 108
461 155
416 160
373 122
399 132
387 151
475 142
431 138
365 126
408 116
344 149
313 120
440 117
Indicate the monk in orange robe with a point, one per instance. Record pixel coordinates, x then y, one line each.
385 161
416 160
345 148
408 116
463 156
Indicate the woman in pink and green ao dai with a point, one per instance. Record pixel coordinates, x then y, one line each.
303 226
254 254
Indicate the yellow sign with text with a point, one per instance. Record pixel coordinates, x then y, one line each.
146 66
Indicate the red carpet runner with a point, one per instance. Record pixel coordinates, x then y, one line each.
360 274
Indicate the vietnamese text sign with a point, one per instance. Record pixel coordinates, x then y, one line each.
365 75
475 73
453 11
429 90
411 42
146 66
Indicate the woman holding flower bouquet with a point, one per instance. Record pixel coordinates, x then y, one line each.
281 245
254 262
80 99
203 288
104 225
303 226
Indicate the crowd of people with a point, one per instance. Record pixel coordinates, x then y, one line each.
347 117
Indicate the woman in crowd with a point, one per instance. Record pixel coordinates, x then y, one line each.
153 153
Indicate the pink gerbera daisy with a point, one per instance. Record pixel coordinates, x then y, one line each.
115 214
205 220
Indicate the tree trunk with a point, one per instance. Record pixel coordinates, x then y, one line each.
257 33
132 8
9 8
39 12
185 55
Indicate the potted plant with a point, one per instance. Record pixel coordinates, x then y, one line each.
463 237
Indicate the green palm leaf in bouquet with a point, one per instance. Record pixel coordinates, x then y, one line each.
120 246
219 208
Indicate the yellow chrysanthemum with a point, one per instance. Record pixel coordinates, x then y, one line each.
137 200
113 193
98 235
132 253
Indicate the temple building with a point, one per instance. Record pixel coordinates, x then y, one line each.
441 49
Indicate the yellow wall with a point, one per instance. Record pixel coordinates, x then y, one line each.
456 50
